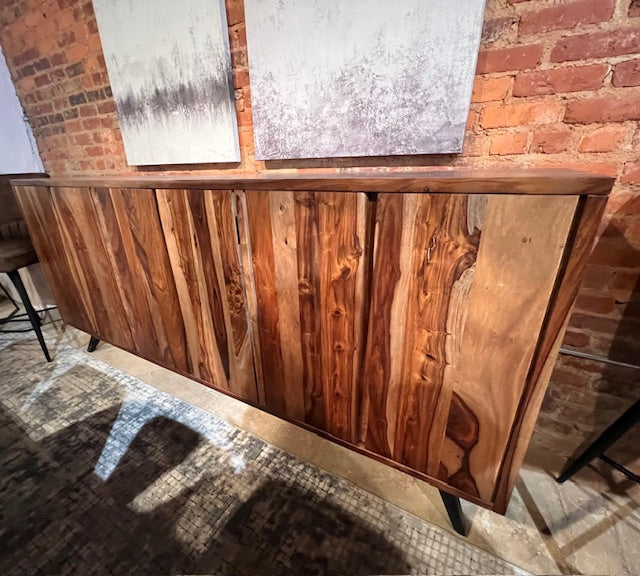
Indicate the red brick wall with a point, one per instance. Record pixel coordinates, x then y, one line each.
558 84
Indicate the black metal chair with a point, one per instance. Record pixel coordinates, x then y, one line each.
16 252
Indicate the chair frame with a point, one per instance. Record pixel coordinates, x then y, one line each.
31 312
10 203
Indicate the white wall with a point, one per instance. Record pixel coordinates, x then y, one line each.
18 150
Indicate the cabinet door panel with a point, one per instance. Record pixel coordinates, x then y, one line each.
131 227
460 288
121 252
37 207
158 273
89 264
200 232
309 263
151 291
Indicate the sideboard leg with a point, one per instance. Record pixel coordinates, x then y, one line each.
93 344
454 510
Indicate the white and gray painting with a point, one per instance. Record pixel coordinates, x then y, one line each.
361 77
170 71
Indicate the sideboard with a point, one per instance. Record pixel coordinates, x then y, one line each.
412 316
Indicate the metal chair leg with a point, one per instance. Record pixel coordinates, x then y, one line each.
454 510
93 344
31 313
604 441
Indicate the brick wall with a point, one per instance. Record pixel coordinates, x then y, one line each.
558 84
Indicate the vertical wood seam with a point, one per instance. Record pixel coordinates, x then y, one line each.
361 396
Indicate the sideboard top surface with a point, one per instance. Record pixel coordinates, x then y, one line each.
461 181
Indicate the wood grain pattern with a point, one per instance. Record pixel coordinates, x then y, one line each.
133 297
283 236
437 400
580 243
161 278
222 213
447 249
417 328
37 207
89 263
342 224
267 339
308 249
148 260
455 181
308 260
246 256
520 250
379 389
188 240
199 231
423 248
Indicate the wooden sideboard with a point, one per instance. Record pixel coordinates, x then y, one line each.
414 317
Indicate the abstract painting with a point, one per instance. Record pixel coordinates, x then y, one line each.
361 77
170 71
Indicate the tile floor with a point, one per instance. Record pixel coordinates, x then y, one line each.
103 474
589 525
582 526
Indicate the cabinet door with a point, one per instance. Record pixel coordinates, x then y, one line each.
67 236
200 231
155 273
131 229
104 254
56 256
307 253
460 289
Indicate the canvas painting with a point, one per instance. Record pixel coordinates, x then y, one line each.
170 71
361 77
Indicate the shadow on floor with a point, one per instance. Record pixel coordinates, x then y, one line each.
57 516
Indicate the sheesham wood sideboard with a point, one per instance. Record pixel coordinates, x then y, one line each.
413 317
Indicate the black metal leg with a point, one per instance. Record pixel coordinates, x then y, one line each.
93 344
31 313
454 510
604 441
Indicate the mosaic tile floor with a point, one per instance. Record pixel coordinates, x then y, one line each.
101 473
